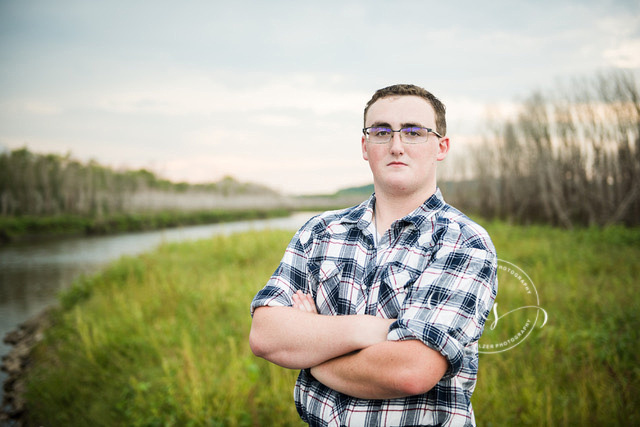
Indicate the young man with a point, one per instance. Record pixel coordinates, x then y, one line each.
381 305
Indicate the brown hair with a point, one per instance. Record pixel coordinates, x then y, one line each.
412 90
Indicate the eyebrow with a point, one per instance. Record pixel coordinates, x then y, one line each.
402 125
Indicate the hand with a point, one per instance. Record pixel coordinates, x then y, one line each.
304 302
371 330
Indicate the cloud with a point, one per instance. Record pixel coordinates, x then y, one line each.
626 55
276 120
26 106
205 93
620 37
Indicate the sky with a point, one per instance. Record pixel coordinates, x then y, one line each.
273 92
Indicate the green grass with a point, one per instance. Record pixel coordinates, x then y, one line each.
162 339
18 227
581 368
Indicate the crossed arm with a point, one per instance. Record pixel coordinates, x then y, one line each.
349 354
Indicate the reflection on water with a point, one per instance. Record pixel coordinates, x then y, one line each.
33 273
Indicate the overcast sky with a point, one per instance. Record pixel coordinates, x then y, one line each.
273 91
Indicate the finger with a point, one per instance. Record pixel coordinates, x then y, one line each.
307 304
299 302
296 301
310 303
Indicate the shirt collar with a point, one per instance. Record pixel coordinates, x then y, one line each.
421 217
362 215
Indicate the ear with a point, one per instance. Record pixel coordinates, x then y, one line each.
443 148
365 155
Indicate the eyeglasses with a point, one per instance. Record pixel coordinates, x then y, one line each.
408 135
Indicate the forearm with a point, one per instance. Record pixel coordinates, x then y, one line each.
296 339
387 370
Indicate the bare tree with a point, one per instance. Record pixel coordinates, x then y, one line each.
572 157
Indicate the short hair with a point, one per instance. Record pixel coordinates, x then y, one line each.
412 90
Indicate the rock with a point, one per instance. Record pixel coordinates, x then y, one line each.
16 363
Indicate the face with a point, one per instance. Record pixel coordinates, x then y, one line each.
401 169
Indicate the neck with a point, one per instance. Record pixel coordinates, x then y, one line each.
392 207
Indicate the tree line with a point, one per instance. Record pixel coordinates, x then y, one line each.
569 157
52 184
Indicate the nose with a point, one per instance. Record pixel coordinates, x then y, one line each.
396 146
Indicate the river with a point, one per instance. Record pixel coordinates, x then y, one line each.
33 273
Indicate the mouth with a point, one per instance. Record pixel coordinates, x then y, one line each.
397 164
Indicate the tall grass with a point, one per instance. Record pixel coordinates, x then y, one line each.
162 339
581 368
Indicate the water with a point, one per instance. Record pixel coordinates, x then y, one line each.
33 273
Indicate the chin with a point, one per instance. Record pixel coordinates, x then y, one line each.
398 187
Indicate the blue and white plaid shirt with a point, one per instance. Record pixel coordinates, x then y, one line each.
433 270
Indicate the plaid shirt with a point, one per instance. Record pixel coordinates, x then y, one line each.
436 275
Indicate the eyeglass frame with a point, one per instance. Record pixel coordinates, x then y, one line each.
429 130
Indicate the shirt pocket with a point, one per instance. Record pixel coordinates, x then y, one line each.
326 276
395 283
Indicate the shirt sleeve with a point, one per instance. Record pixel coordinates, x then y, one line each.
448 304
290 276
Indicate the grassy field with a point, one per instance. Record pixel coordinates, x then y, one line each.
162 339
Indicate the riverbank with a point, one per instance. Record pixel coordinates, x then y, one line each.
24 228
16 363
34 273
31 227
151 336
